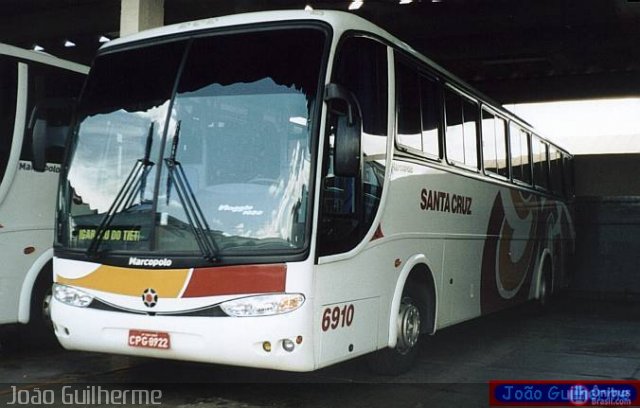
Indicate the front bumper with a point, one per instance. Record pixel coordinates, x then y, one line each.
220 340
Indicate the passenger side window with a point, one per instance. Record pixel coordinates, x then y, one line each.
461 136
520 154
418 110
540 164
408 107
494 144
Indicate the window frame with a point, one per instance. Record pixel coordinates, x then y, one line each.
527 132
439 101
496 115
463 96
544 146
422 74
345 246
414 71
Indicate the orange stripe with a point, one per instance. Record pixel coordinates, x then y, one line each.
131 282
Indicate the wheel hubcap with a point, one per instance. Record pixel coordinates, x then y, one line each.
408 326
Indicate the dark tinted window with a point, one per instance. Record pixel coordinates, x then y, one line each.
454 134
8 89
430 103
47 82
112 89
418 110
362 68
408 107
349 204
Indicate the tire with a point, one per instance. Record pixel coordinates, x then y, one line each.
412 314
545 291
40 328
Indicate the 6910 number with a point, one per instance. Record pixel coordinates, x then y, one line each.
337 316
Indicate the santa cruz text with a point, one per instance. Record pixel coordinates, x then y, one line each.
432 200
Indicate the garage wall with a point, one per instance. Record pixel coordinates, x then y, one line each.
607 216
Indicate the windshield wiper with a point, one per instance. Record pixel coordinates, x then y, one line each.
135 183
195 216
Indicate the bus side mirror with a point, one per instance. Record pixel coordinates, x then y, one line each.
348 131
47 130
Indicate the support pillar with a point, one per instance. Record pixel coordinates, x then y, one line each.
138 15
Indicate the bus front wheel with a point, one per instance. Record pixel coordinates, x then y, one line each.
411 314
40 326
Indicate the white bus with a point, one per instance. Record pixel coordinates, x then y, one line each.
27 196
289 190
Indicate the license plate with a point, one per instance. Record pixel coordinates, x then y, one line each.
149 339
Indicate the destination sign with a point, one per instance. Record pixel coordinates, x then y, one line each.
116 234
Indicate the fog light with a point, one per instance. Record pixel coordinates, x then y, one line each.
288 345
266 346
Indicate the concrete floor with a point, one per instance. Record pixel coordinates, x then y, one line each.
576 339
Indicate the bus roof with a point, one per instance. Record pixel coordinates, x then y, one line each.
340 21
41 57
336 19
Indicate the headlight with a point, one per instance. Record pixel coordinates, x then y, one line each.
71 296
263 305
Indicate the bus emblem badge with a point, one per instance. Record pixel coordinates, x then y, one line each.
149 297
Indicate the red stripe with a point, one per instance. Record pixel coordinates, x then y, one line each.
236 280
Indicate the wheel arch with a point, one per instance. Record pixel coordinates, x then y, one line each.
41 265
416 271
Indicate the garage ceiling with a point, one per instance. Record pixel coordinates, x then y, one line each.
524 51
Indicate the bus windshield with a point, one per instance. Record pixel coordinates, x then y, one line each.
196 146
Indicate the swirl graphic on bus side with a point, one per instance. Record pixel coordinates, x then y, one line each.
517 244
517 233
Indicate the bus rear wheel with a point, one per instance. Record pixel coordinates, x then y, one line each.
544 293
398 360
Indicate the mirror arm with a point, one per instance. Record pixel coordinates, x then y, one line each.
334 92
